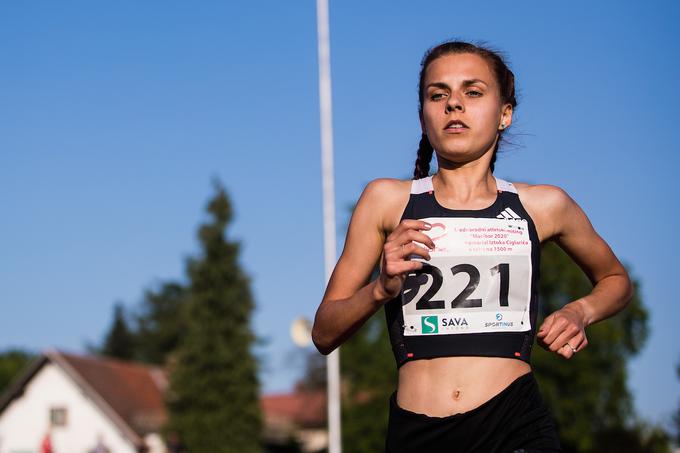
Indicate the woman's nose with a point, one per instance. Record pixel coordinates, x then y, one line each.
453 104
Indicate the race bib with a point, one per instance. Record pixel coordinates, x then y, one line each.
478 279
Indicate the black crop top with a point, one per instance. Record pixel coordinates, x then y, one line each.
478 294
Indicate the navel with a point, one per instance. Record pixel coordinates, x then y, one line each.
456 394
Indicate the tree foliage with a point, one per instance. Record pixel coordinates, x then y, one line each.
149 334
638 438
160 322
213 401
120 340
12 362
588 394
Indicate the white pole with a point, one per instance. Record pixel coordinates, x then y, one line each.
333 361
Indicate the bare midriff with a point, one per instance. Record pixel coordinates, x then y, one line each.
450 385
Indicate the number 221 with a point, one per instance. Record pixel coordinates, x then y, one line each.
415 281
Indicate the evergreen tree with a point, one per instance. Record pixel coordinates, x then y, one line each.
153 335
119 342
12 362
213 402
161 322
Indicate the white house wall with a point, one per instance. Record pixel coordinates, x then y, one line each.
25 421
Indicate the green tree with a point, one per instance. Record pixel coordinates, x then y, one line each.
120 340
160 322
12 362
587 394
152 333
638 438
213 402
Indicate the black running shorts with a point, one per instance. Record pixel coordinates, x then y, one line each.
514 421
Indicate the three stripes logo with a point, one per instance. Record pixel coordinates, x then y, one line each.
509 214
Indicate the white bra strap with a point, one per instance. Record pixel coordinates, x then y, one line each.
505 186
422 185
425 185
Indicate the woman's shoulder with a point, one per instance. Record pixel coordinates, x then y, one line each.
547 204
546 195
388 187
386 198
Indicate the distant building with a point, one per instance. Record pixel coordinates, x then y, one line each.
84 404
300 416
80 402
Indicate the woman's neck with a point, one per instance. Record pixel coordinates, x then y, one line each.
465 184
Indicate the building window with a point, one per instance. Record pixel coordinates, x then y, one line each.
58 416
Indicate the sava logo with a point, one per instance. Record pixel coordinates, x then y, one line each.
430 324
454 322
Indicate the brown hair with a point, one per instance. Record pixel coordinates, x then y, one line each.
504 77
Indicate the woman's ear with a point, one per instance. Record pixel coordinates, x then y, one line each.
506 117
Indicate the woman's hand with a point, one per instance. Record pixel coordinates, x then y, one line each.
395 264
563 330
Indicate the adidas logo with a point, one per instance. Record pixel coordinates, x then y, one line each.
508 214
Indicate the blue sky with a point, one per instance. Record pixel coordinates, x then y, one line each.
115 117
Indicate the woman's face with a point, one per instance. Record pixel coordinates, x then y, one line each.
462 88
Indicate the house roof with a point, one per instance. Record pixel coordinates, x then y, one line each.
134 391
306 409
130 394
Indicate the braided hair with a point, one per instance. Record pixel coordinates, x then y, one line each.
506 84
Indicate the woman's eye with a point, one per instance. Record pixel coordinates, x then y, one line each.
436 96
474 93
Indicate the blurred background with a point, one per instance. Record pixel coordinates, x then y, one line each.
133 134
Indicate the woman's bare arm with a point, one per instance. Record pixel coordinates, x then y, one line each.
612 290
349 299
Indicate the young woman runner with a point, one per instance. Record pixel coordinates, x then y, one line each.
459 259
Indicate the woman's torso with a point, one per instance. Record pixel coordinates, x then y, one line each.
448 385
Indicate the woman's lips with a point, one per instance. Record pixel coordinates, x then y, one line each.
455 130
455 126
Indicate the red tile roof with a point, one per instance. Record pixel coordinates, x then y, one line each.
306 409
134 391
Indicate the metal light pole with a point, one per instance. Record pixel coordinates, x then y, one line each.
333 360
